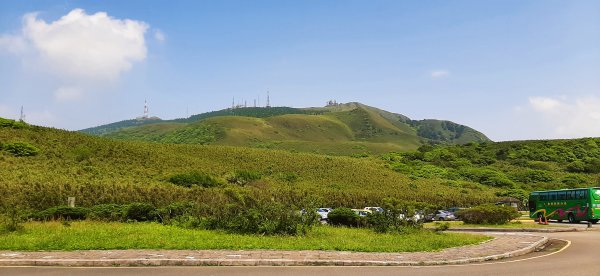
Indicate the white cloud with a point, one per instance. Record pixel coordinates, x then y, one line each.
569 118
93 46
67 93
159 36
79 47
439 74
544 104
12 44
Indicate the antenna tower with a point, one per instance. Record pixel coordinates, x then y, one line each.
233 103
268 100
145 109
22 118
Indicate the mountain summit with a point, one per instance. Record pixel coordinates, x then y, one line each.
348 128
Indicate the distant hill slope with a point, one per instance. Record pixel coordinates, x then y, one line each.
97 170
351 128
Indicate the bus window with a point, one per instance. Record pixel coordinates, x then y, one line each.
543 196
581 194
552 196
562 195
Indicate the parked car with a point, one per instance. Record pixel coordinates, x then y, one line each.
323 212
455 211
440 215
361 212
374 209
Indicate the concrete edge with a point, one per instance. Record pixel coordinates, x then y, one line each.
536 230
259 262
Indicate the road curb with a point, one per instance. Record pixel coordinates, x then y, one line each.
504 230
259 262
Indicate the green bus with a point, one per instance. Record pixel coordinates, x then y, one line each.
573 205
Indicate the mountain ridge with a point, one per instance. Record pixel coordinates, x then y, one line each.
352 127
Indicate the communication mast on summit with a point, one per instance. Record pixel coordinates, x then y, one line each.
22 117
268 100
145 110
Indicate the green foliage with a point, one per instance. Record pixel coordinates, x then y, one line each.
489 214
21 149
249 214
243 177
140 212
195 178
62 213
107 212
12 124
343 216
441 226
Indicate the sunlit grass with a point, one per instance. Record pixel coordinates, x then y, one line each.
88 235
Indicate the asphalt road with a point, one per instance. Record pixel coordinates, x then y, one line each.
582 257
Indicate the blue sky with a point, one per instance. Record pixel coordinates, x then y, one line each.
511 69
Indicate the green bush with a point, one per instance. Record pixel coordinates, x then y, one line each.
343 216
195 178
21 149
62 212
175 210
140 212
243 177
107 212
12 124
439 227
488 214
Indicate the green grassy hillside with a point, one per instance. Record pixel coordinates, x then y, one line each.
345 129
517 167
99 170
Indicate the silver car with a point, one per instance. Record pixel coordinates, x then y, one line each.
441 215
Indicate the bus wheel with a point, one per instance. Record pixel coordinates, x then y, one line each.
571 218
594 221
560 220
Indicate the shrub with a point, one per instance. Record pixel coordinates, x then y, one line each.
107 212
343 216
489 214
439 227
244 177
140 212
21 149
175 210
195 178
12 124
62 212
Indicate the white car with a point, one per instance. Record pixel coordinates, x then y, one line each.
323 212
362 212
374 209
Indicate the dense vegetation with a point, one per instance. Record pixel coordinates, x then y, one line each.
101 171
514 167
247 190
488 214
345 129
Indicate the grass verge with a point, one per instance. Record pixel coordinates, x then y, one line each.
87 235
511 225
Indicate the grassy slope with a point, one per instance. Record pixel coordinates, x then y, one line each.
88 235
99 170
346 129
